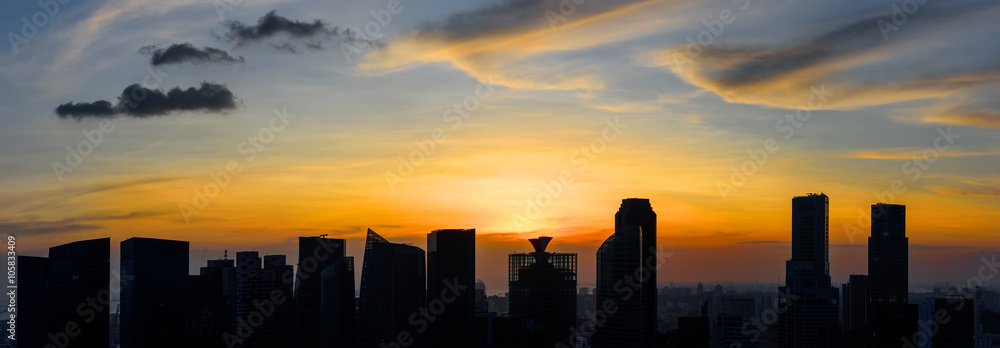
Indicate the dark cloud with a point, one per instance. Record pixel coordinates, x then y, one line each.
138 101
187 53
271 25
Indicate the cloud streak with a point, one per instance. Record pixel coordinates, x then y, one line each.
137 101
853 60
187 53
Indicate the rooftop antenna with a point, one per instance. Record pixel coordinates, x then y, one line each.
225 255
324 235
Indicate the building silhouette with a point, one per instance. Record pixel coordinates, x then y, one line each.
731 322
262 300
812 317
946 323
890 315
451 276
32 325
79 271
315 255
854 302
543 290
154 300
338 320
631 250
212 317
392 289
888 255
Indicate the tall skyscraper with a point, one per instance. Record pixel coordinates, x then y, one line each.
392 289
543 289
888 255
315 255
32 324
628 252
451 276
889 313
812 319
79 271
154 300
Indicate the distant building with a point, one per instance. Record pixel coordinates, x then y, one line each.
812 317
733 330
629 251
451 276
543 290
392 289
315 255
155 299
854 302
946 323
80 271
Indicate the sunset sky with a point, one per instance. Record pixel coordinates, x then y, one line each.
652 99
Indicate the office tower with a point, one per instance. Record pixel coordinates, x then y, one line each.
315 255
276 279
338 322
79 273
543 289
888 255
31 320
854 302
945 323
451 276
732 322
213 317
812 318
154 300
262 301
392 289
631 250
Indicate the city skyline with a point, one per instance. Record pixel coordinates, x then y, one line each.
496 283
645 98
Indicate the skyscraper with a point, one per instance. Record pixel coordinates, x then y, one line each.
451 276
888 255
631 251
153 302
315 255
812 318
263 301
213 308
392 289
31 322
78 293
338 323
890 315
543 289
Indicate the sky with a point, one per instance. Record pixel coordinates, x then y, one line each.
517 118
